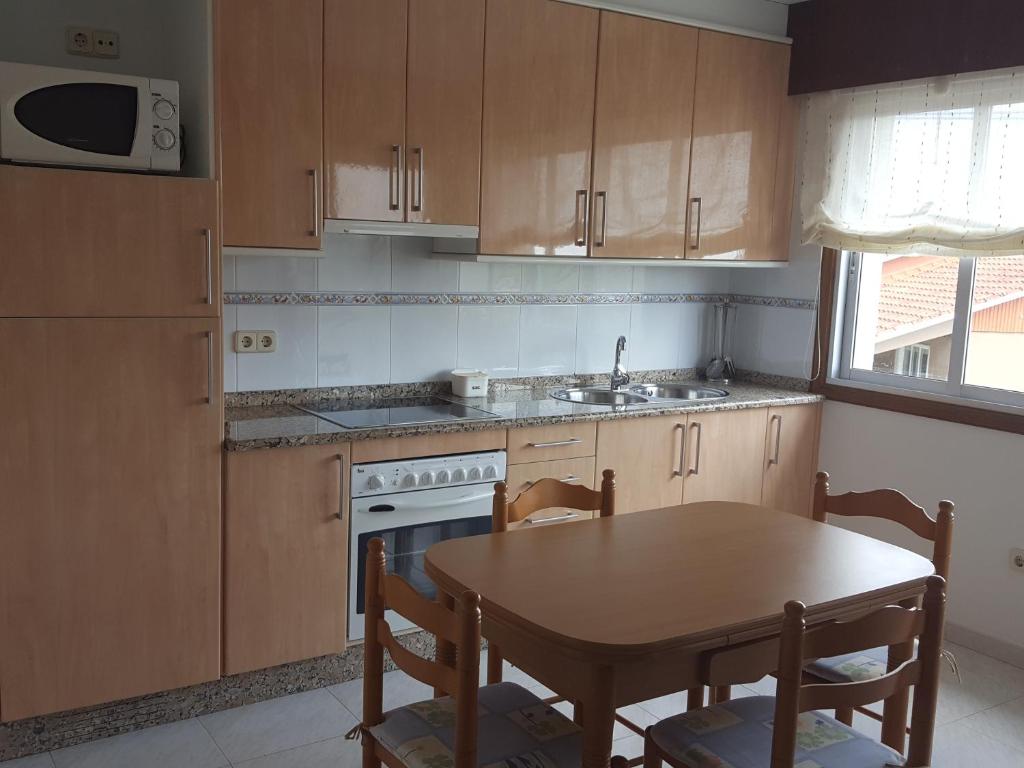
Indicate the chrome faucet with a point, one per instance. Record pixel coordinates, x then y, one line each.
619 376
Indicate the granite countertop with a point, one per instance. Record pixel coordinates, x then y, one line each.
278 426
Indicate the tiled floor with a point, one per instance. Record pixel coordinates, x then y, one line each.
981 725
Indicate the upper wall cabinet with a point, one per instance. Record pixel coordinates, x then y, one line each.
539 74
95 244
740 196
402 90
270 75
645 81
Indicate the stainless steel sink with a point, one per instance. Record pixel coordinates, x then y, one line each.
677 391
599 396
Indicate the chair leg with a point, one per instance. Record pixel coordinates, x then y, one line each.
577 714
651 757
694 698
845 715
722 693
370 759
493 664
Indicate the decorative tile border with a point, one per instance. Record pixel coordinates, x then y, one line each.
316 299
65 729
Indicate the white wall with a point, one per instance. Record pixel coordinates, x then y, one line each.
326 346
929 460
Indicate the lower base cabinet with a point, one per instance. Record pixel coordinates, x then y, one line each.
647 456
110 526
724 452
285 555
791 457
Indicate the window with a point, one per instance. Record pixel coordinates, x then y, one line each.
933 324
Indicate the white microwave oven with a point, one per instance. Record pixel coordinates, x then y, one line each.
54 116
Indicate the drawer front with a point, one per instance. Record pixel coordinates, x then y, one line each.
396 448
561 441
521 476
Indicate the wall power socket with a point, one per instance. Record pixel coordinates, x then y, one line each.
1017 560
255 341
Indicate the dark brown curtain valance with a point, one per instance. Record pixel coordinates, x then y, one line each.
847 43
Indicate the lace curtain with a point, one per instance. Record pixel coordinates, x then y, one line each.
925 167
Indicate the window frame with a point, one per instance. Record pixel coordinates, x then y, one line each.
1001 410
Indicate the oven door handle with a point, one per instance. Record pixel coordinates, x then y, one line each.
398 507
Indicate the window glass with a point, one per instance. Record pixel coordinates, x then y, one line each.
904 319
995 346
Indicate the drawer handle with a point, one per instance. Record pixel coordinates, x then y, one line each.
566 479
556 519
557 443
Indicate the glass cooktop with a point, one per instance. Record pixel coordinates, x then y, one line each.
394 412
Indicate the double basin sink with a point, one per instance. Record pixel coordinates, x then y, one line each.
641 394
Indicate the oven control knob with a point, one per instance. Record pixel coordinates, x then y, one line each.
427 478
164 139
375 482
459 475
491 472
163 109
409 481
474 473
443 477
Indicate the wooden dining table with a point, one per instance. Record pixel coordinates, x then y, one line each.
618 610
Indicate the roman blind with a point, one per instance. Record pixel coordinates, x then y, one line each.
931 166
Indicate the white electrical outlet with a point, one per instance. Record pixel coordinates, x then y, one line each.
1017 560
266 341
245 342
106 43
80 41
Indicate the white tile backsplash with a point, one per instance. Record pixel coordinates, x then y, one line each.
275 273
424 343
489 339
355 263
547 340
775 340
294 364
337 346
354 346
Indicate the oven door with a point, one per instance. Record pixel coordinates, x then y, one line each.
409 523
63 117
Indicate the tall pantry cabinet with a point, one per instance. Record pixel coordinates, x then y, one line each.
110 382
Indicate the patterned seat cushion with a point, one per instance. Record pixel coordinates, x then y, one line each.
516 730
852 667
738 734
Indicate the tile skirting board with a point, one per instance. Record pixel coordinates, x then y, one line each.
65 729
986 644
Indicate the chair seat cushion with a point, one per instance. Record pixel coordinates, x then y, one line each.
738 734
516 730
852 667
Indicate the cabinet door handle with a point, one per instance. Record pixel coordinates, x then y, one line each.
680 470
582 216
395 179
602 229
777 419
209 367
557 443
314 175
700 433
341 486
208 237
695 220
566 479
417 189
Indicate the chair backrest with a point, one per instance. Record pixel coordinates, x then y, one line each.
890 504
887 626
460 627
548 493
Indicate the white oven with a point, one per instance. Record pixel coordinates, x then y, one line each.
54 116
412 505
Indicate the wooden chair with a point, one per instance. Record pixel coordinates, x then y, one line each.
744 732
491 724
544 494
886 504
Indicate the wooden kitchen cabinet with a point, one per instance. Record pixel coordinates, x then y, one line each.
724 453
110 528
791 457
285 555
519 477
647 456
402 96
539 73
270 105
555 441
85 243
739 202
644 112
